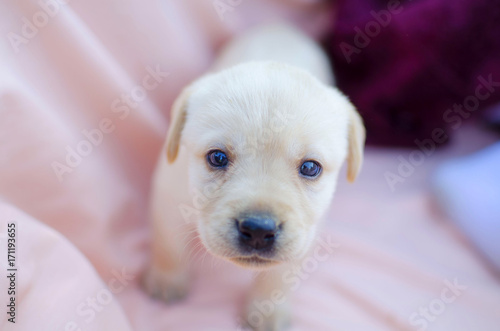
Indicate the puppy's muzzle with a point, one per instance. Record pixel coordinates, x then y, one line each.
257 232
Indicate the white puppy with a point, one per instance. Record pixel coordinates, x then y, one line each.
251 162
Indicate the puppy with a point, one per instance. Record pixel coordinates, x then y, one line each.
250 163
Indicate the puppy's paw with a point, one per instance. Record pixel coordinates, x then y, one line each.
267 316
166 286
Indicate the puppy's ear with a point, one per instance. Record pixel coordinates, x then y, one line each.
356 145
178 115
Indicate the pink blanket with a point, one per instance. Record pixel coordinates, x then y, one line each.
85 89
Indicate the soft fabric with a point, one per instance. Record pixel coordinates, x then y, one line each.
79 138
412 66
468 189
492 118
56 287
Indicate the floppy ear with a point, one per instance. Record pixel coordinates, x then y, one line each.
177 121
356 145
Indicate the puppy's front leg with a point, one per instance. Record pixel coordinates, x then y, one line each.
267 307
167 277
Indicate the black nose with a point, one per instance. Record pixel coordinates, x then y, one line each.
257 232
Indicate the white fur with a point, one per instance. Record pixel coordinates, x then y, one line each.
268 105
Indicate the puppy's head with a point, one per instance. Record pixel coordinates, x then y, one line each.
266 143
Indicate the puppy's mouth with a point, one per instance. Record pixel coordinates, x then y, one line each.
254 261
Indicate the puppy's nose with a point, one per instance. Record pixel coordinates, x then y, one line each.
257 232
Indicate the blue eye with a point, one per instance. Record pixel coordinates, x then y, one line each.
217 159
310 169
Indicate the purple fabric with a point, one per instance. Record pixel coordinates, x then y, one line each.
424 57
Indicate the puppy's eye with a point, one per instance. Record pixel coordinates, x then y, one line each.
310 169
217 159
